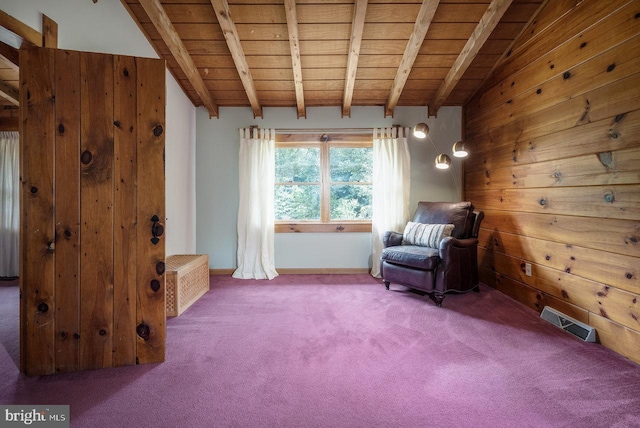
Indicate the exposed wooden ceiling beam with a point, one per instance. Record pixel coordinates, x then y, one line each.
14 32
9 124
480 34
423 21
9 93
507 52
163 25
357 27
10 56
223 14
294 45
49 32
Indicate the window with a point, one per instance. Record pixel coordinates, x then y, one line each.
323 185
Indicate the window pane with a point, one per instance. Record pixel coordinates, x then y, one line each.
297 164
351 202
351 164
297 202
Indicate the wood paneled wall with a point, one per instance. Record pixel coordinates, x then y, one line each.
92 175
555 165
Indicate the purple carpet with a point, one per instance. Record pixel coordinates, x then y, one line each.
341 351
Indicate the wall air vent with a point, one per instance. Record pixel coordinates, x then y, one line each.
565 322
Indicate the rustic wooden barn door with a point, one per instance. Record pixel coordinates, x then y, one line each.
92 203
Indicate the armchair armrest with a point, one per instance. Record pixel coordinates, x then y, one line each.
449 244
391 239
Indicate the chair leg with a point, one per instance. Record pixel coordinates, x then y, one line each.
438 298
386 284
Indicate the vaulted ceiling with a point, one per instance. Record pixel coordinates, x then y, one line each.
305 53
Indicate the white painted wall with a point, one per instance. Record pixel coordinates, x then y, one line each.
217 180
202 165
106 27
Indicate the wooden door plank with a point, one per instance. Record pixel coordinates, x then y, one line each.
151 310
96 199
125 212
37 309
67 210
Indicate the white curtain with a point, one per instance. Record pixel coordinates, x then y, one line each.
256 211
391 187
10 197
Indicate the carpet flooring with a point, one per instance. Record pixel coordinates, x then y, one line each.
341 351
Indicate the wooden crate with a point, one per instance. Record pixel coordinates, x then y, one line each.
187 280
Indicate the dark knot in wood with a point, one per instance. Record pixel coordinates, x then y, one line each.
86 157
33 189
157 131
566 75
61 129
102 332
609 197
611 68
143 331
543 201
43 308
160 268
155 285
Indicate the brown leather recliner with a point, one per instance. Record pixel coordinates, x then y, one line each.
452 266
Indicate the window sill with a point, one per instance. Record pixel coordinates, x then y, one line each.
346 227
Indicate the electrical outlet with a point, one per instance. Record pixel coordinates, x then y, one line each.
527 269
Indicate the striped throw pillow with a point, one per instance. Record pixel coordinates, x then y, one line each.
425 235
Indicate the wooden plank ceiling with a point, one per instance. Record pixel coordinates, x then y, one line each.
304 53
307 53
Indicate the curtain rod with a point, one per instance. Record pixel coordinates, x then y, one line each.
326 131
331 130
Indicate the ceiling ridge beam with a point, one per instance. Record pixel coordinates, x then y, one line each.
163 25
294 45
221 7
480 34
423 21
357 29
